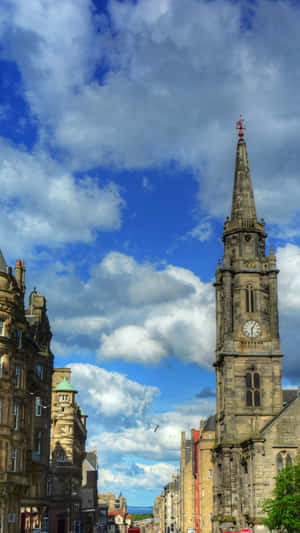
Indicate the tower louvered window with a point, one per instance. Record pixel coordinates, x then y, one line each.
252 389
250 299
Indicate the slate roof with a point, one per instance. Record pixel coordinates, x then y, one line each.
210 424
65 386
289 394
92 459
286 406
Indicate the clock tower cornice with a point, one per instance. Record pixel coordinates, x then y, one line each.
259 228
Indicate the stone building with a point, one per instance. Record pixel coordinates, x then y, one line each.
170 499
26 365
258 428
114 502
187 485
196 478
67 452
205 475
166 508
156 515
118 521
89 495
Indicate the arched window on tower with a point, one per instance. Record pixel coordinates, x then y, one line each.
250 299
256 382
252 389
249 398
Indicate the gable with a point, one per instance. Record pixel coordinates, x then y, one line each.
284 429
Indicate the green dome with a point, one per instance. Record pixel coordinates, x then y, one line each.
65 385
82 412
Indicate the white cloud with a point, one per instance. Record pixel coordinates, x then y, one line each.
121 423
111 394
202 231
133 343
177 73
146 183
289 278
117 404
138 476
289 307
55 46
132 311
44 204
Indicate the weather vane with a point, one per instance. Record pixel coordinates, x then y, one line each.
240 127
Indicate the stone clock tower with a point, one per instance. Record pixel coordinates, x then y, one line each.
248 358
248 365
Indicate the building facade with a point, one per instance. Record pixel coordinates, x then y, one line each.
89 492
67 453
156 515
26 365
196 478
204 479
166 509
257 429
114 502
187 485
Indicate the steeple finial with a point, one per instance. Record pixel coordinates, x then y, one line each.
243 205
239 126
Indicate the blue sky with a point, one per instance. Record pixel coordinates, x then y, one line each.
117 147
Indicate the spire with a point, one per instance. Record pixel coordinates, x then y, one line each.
243 205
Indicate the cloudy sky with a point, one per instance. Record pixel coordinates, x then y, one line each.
117 146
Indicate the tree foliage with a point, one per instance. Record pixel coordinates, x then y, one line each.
283 510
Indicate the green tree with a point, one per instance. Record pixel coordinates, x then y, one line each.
283 510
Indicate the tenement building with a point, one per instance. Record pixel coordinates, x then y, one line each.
67 452
89 492
258 428
196 478
26 365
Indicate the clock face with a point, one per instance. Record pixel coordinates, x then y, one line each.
251 328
